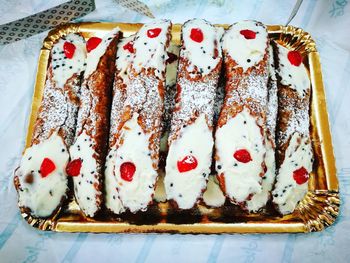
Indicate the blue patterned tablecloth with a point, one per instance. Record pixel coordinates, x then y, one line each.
329 24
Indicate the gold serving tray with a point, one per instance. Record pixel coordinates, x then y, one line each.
318 210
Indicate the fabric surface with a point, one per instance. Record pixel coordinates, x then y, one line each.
327 21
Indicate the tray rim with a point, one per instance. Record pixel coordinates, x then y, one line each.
329 197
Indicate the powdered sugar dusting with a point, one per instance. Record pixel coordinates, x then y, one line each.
272 98
123 61
196 98
295 106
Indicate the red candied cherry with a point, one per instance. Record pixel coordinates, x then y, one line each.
47 167
152 33
73 167
187 164
92 43
171 58
295 58
129 46
242 155
69 49
127 171
301 175
248 34
197 35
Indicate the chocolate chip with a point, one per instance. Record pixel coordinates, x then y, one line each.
29 158
92 172
208 67
29 179
204 52
145 43
84 64
264 177
63 150
150 186
284 191
171 185
289 75
219 167
275 195
110 156
180 195
50 192
245 122
109 38
248 60
79 183
139 133
114 197
88 198
235 164
90 182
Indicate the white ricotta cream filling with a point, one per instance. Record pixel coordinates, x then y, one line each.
64 68
245 52
112 196
260 199
124 57
94 56
186 187
294 76
136 194
201 54
150 51
43 194
287 192
84 189
213 196
241 179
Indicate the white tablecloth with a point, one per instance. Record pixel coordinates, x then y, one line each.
329 24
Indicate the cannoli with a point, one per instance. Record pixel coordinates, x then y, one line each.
125 51
137 146
294 155
259 200
240 142
191 137
90 146
41 180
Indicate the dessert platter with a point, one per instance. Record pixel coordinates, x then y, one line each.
192 128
